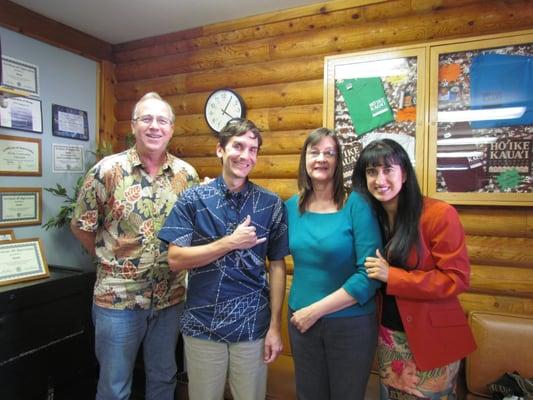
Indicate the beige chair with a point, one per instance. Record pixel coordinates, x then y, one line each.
504 344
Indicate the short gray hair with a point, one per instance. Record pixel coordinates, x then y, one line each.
152 96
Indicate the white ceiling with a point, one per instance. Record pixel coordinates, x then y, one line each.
118 21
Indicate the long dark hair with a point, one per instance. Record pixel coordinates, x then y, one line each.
305 185
404 235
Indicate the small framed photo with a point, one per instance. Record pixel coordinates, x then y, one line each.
22 260
69 122
20 156
7 235
20 206
23 114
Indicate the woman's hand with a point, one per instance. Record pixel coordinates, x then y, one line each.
377 267
305 318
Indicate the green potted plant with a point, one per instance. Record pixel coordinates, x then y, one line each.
64 216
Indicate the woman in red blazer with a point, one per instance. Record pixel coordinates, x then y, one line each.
424 332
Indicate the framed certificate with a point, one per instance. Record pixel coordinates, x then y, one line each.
20 206
67 159
22 113
22 260
20 156
69 122
7 235
20 75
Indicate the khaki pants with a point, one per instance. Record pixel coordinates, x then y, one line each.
209 363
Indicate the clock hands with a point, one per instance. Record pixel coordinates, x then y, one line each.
228 114
225 108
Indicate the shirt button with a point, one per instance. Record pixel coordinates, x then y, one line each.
409 319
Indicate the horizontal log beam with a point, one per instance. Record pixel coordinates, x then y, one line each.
325 18
285 188
183 45
267 119
204 59
486 17
508 251
497 221
266 96
302 69
274 142
475 19
37 26
493 303
267 167
502 280
236 27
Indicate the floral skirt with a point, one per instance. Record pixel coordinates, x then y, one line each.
401 380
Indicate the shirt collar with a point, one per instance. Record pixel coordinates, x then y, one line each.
226 193
135 160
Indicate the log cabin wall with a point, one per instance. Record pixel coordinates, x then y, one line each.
275 62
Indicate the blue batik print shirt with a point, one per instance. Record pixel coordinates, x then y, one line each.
228 299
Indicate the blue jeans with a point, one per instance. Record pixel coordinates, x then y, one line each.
118 336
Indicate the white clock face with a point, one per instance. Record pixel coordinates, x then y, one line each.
222 106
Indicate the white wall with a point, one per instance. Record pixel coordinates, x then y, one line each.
69 80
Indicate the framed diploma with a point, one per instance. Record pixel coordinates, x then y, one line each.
69 122
20 75
22 113
20 156
7 235
20 206
67 159
22 260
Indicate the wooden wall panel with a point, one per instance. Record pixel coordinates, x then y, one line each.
271 119
29 23
278 166
275 142
301 69
495 303
508 281
106 117
504 221
496 250
275 61
485 17
276 95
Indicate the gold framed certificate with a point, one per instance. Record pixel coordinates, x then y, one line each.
7 235
20 75
20 206
20 156
22 260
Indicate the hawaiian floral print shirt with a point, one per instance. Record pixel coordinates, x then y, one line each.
126 207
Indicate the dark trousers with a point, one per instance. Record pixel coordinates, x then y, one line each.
332 360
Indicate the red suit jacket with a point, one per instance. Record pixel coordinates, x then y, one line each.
434 321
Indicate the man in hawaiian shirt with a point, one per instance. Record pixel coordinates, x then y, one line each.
222 232
121 207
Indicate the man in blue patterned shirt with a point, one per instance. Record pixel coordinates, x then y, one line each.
222 232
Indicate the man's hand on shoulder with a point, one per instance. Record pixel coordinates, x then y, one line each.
206 180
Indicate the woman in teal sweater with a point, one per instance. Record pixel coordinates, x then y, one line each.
333 328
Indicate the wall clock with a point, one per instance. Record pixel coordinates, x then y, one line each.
221 106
